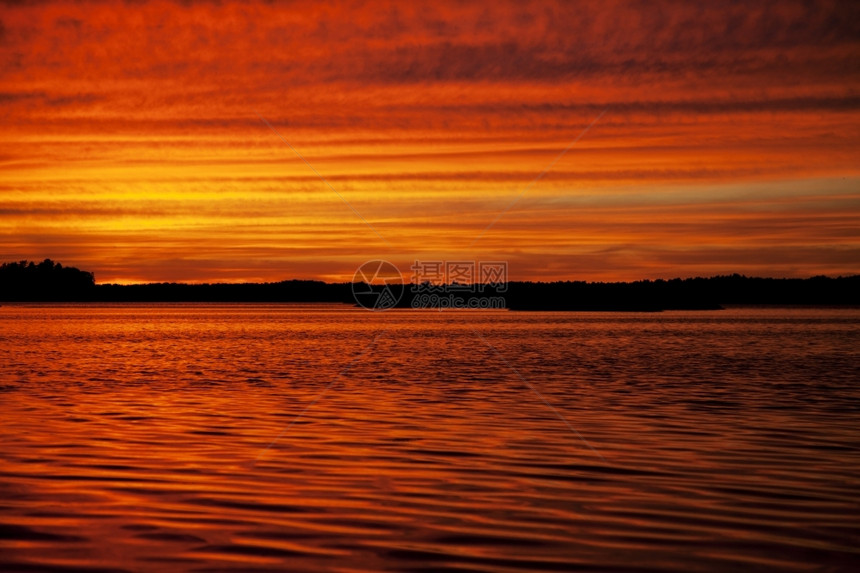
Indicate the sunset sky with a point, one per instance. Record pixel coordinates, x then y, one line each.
132 145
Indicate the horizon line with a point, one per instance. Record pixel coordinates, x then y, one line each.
586 281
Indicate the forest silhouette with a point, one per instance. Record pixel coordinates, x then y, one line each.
49 281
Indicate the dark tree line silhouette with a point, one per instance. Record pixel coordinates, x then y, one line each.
49 281
29 281
284 291
684 294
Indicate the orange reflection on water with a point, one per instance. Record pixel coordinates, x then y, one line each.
189 437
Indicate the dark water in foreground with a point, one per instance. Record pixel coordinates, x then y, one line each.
135 438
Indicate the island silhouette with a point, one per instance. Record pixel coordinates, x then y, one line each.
49 281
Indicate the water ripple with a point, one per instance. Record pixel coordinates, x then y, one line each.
135 439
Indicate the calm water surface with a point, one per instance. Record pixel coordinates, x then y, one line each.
273 438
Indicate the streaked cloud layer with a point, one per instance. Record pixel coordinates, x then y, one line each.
131 144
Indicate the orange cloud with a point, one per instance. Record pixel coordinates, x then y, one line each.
131 144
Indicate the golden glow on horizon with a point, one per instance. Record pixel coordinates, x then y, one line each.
131 145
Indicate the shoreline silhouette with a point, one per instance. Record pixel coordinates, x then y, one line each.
49 281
